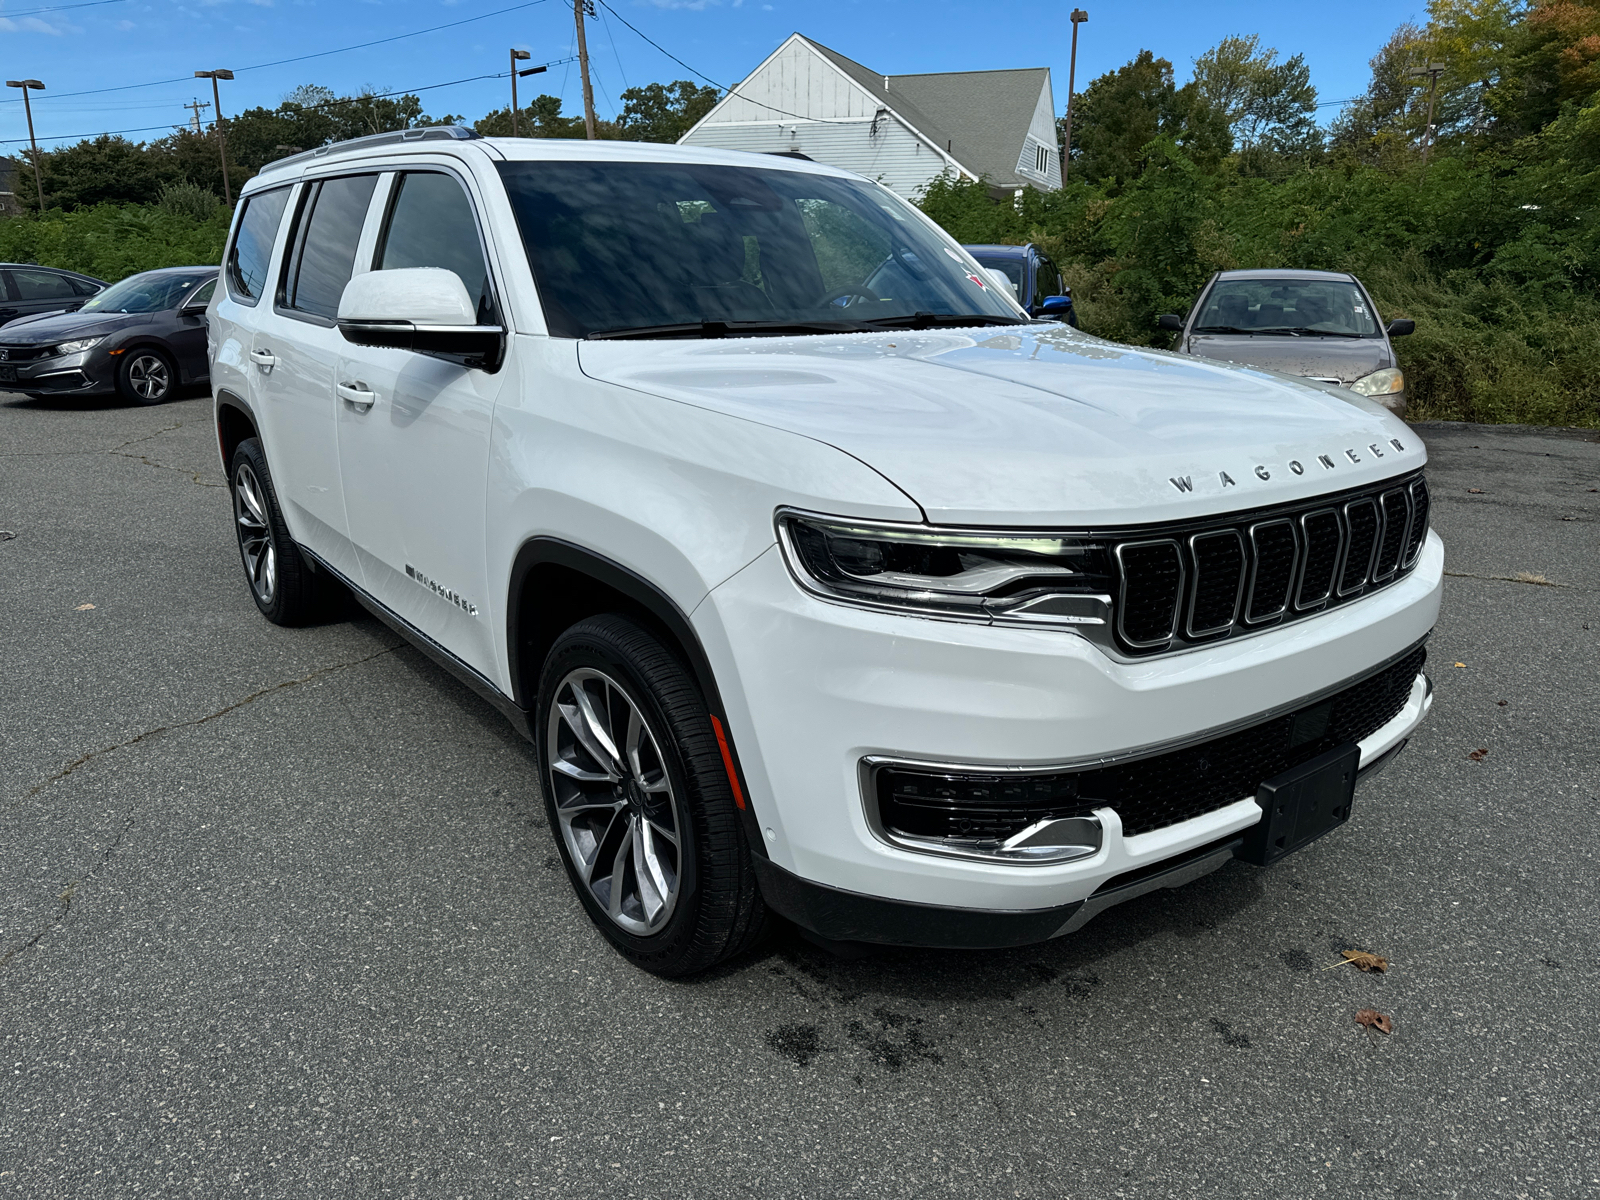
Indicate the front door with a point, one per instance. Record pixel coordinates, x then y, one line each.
414 435
32 292
296 351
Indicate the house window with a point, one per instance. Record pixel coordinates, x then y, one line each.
1041 160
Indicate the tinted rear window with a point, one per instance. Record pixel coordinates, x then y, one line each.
252 244
327 255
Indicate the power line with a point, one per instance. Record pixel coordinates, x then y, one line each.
334 103
305 57
31 12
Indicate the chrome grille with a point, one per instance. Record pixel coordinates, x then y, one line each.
1211 579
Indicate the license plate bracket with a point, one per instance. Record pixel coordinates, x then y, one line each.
8 373
1302 804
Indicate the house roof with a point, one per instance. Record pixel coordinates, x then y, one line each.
979 117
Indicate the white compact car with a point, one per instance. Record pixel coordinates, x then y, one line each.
825 581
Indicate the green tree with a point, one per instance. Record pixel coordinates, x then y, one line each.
663 112
1270 106
541 118
1122 112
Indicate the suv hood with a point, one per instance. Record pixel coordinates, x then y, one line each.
62 326
1038 426
1343 359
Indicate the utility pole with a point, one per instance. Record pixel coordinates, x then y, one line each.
1431 73
579 8
194 114
1078 18
222 144
38 172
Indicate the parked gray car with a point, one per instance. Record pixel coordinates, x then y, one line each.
1321 325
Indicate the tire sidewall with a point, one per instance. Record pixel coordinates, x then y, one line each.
125 381
586 645
250 451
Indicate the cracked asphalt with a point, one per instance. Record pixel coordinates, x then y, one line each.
280 916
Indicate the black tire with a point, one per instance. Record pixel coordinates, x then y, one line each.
146 376
285 586
717 911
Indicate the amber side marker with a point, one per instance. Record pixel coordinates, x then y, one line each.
727 761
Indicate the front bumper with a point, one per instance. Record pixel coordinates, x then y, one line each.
82 373
813 688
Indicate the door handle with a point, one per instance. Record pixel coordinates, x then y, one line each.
357 395
265 359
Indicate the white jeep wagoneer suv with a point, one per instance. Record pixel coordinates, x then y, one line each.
825 581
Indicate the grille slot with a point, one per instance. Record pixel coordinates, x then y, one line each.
1323 538
1361 518
1148 793
1419 522
1152 582
1396 517
1273 572
1218 581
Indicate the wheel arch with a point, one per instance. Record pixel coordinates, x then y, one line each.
555 583
235 423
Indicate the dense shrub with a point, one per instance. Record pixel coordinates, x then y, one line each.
111 241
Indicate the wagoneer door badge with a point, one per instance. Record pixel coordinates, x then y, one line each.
442 592
1185 483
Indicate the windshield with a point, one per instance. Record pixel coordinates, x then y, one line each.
1333 307
150 292
686 249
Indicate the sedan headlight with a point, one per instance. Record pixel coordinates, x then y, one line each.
76 345
1380 383
992 577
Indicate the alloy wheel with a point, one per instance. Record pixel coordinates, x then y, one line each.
255 533
149 377
614 800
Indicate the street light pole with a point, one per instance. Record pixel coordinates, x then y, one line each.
222 144
1078 18
579 7
38 171
516 57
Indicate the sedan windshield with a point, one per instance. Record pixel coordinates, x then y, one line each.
694 250
1307 307
146 293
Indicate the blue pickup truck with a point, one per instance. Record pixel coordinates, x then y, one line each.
1035 279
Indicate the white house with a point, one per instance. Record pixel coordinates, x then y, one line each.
902 130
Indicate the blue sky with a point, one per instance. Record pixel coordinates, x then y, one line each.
108 45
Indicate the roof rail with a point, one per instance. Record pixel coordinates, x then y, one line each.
789 154
425 133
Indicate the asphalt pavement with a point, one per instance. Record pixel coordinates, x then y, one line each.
280 916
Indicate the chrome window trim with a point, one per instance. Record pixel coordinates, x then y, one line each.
1194 586
1122 593
1255 569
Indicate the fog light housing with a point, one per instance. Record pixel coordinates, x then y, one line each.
1013 818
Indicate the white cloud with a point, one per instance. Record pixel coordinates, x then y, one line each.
28 25
124 26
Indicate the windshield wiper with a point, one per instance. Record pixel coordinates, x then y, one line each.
715 329
1304 331
1220 329
928 320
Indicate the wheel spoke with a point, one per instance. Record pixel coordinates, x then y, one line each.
658 830
573 771
647 866
619 871
590 730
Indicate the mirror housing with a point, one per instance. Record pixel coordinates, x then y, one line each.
1171 322
424 309
1055 305
1401 326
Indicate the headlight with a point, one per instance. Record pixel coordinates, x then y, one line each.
74 346
1000 578
1380 383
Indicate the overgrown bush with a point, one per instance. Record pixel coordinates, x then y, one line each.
111 241
185 199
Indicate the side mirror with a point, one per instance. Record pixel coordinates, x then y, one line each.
1170 321
426 309
1401 326
997 276
1055 306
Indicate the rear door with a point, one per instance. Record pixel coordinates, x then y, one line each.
188 334
37 291
296 349
414 433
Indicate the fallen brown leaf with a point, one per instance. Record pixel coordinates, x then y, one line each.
1373 1019
1461 664
1478 755
1474 491
1365 961
1501 703
83 608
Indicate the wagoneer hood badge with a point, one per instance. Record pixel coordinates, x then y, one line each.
1042 426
